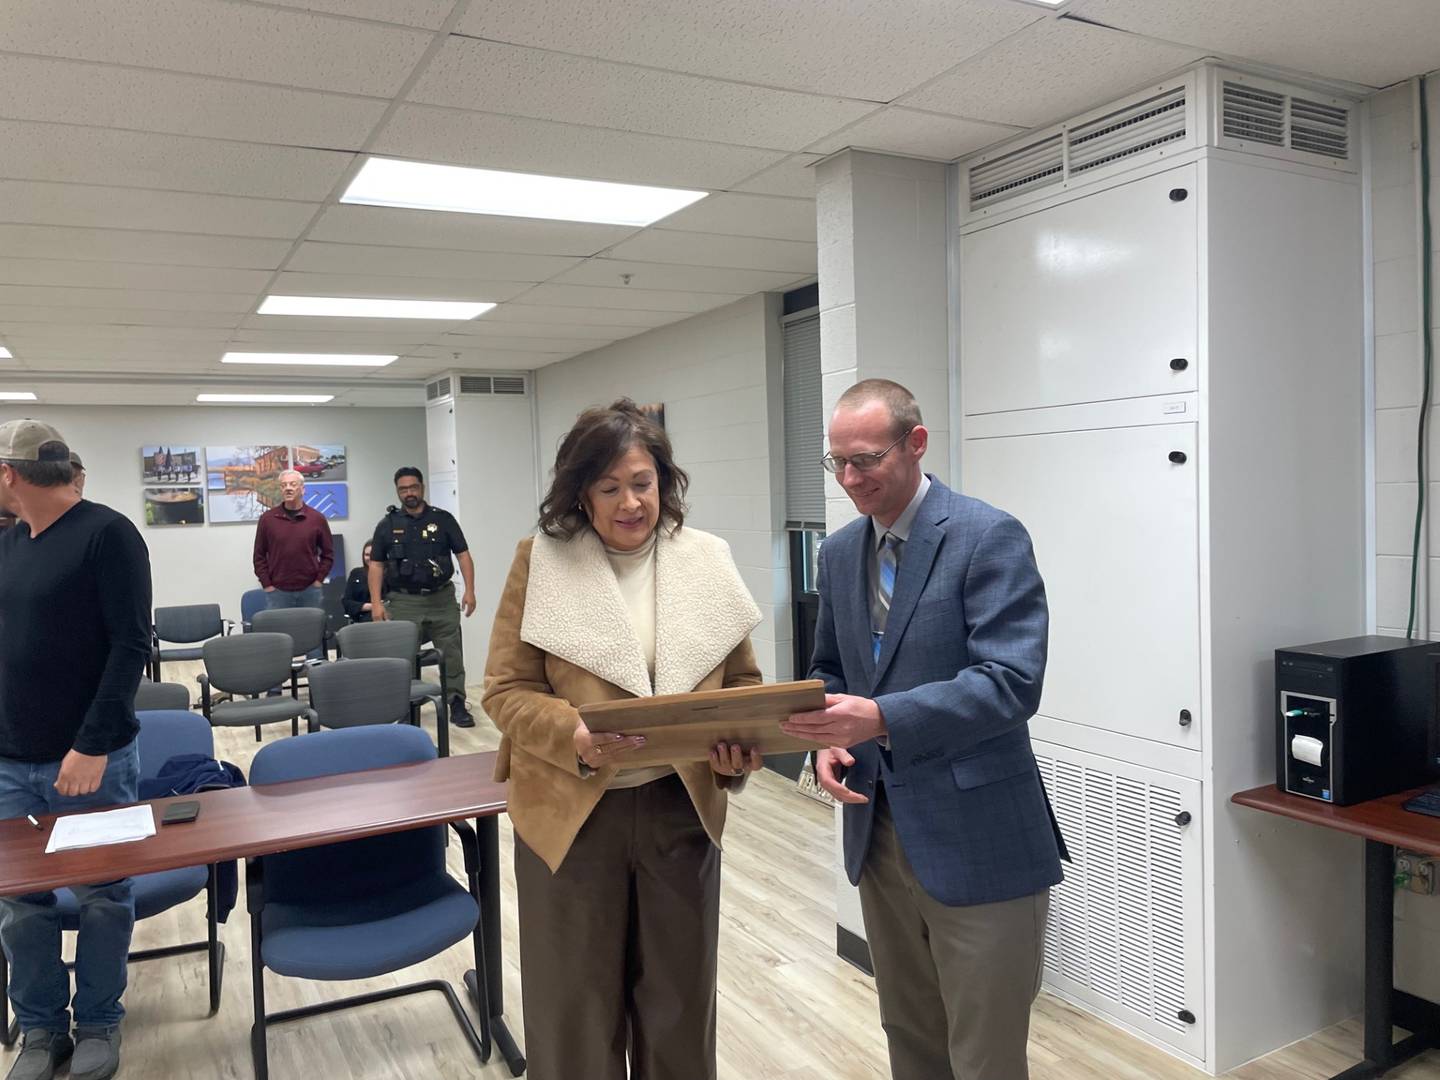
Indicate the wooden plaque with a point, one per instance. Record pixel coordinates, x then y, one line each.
683 727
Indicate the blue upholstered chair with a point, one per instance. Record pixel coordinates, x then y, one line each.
362 908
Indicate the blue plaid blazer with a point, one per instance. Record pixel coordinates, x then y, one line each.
958 678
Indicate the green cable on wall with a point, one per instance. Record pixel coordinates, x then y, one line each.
1426 336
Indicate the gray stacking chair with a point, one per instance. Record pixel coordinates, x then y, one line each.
152 696
187 626
247 665
399 639
305 625
352 693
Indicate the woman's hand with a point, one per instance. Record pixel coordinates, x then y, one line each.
600 748
731 759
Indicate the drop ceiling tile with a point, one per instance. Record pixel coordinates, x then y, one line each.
736 214
1374 44
625 299
915 134
169 162
795 177
500 78
399 288
1049 72
462 232
242 41
708 249
558 314
35 335
466 342
384 397
39 203
523 145
874 51
301 327
494 358
427 14
146 299
16 316
50 242
486 327
643 275
101 95
116 275
327 258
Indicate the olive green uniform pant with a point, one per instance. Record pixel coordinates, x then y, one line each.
438 616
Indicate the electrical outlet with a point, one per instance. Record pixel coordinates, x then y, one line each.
1415 873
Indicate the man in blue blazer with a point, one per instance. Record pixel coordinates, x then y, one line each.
931 641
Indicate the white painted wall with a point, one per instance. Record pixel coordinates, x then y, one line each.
212 563
1395 232
718 377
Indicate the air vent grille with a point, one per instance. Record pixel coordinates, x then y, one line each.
509 384
1318 128
1132 130
1253 115
1036 165
432 391
475 384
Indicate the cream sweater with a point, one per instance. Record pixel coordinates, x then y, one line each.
635 574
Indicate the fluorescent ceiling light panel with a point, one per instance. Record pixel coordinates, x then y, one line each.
16 395
5 354
266 399
309 359
418 185
361 307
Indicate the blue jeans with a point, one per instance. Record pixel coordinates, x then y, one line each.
311 596
30 925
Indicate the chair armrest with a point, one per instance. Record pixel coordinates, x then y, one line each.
227 627
204 681
469 845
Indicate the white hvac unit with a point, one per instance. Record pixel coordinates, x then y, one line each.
1160 372
479 429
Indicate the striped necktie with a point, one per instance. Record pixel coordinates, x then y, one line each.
888 560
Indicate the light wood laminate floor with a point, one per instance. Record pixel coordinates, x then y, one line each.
789 1007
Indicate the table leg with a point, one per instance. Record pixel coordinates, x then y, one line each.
487 830
1381 1051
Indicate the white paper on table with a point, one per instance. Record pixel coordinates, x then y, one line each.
106 827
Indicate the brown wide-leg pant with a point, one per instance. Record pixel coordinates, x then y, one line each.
617 949
955 983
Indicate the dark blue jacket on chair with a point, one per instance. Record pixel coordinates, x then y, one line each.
958 678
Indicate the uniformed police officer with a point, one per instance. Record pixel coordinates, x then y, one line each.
411 557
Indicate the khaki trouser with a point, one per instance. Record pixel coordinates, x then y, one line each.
438 616
618 947
955 983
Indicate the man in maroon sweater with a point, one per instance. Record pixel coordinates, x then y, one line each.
293 550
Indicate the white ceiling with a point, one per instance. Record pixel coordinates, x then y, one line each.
164 164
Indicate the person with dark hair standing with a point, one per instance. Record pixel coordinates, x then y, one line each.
617 868
410 579
74 640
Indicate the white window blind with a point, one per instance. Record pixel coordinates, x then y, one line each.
804 426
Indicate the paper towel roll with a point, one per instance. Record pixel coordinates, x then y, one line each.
1306 748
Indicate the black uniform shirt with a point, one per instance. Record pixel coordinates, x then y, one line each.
431 534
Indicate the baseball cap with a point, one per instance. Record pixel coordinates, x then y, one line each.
30 440
75 462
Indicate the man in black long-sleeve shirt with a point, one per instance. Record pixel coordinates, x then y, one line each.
74 639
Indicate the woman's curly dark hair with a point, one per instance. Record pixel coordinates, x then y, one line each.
597 438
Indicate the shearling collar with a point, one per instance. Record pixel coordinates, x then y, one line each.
574 610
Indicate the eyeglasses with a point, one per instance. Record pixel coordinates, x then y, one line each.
402 488
861 462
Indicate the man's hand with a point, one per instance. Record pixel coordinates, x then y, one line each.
845 721
826 762
269 588
319 584
80 774
378 613
467 603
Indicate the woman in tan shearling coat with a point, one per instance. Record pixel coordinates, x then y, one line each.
617 869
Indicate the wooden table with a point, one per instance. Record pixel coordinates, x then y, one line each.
266 819
1384 826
